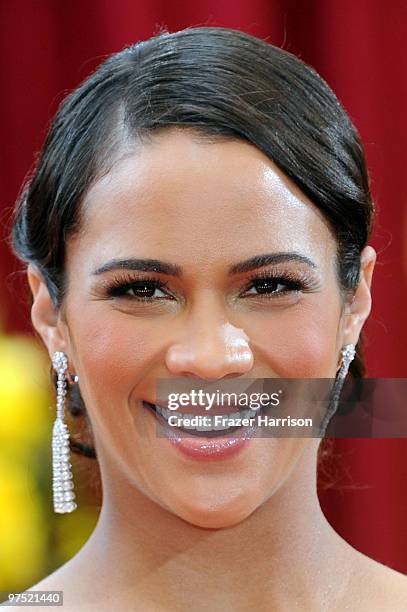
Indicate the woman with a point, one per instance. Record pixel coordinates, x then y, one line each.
201 210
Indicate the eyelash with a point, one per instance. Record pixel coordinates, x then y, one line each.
293 282
119 286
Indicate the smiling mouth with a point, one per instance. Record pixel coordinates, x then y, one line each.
208 430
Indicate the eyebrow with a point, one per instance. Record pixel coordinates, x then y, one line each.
144 265
162 267
268 259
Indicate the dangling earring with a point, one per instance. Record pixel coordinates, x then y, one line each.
348 353
62 479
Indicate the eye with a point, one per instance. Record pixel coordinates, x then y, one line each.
143 289
274 286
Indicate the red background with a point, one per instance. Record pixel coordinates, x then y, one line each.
360 48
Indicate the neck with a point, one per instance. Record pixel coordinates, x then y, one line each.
284 553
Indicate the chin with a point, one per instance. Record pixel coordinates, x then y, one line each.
216 514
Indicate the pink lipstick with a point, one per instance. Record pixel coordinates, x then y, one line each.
200 447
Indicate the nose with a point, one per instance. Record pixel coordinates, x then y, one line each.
213 352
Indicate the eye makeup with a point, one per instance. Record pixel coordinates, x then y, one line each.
280 283
266 284
143 288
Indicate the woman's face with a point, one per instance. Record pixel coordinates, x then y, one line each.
202 210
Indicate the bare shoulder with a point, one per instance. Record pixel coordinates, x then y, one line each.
380 588
27 592
60 580
394 585
66 580
79 593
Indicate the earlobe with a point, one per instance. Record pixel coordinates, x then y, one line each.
44 315
360 306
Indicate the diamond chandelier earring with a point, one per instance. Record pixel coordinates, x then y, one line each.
348 353
62 478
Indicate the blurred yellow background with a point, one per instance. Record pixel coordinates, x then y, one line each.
34 541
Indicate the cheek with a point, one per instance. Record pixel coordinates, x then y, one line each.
113 353
301 343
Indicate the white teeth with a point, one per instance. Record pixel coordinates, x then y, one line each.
202 428
228 421
188 426
220 427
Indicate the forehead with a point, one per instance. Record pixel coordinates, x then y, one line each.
190 200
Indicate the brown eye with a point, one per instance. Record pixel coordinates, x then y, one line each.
273 286
268 286
144 290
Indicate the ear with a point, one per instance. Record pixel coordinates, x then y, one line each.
45 317
359 309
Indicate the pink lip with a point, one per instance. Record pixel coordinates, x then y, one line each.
204 448
209 449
